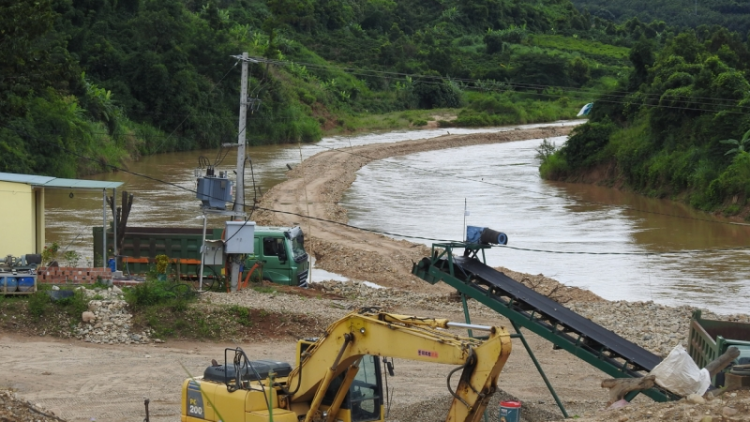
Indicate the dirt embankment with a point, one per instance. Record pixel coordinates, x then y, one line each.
315 187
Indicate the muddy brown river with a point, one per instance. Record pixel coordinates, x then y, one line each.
618 245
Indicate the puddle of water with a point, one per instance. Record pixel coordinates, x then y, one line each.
318 275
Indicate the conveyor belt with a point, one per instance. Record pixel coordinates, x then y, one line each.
597 336
526 308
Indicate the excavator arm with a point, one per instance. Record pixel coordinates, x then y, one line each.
404 337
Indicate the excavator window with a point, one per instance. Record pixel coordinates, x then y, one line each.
366 392
365 397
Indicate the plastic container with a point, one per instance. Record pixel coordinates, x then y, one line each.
26 284
8 284
510 411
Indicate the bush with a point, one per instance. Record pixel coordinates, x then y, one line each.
585 142
151 292
554 167
733 180
433 93
39 303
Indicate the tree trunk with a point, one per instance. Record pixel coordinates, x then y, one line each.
121 215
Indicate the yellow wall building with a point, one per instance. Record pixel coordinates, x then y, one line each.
21 219
22 209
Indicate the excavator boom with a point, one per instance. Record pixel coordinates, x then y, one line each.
405 337
338 376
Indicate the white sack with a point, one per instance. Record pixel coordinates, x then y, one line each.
680 375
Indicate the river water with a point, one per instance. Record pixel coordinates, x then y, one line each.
618 245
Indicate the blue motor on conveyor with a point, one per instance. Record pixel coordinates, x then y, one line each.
485 236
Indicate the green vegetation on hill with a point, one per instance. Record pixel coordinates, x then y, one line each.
676 127
731 14
90 83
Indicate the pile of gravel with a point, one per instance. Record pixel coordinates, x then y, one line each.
110 325
436 409
13 409
657 328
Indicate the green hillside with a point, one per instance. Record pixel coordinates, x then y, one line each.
731 14
88 83
675 127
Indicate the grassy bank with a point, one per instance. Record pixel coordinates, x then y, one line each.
155 307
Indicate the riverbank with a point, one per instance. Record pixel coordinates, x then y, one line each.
315 187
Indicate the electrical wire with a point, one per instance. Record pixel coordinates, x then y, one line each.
191 113
567 89
516 188
398 235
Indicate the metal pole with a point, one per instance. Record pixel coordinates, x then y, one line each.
539 368
203 254
104 228
464 227
114 225
466 313
239 197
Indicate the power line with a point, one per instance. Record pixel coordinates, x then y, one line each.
191 113
516 188
431 172
568 89
386 233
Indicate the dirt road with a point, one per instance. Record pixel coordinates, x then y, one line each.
315 187
81 381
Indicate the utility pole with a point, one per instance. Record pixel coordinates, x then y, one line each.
239 196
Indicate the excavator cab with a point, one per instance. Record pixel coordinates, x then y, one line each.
365 400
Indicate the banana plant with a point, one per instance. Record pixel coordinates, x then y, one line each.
740 147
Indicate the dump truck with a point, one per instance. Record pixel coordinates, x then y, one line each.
279 251
338 377
709 339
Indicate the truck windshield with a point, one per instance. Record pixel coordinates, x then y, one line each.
298 246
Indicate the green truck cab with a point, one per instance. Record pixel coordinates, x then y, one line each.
279 251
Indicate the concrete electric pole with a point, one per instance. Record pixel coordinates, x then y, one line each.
239 196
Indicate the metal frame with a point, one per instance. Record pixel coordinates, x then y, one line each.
440 267
538 366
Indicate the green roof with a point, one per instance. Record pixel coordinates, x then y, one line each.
57 183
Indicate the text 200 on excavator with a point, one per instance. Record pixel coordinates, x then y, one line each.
338 377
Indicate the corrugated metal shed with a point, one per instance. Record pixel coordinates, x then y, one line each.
57 183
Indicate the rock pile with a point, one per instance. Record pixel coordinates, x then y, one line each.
728 407
16 410
108 322
655 327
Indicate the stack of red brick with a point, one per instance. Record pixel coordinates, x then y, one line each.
71 275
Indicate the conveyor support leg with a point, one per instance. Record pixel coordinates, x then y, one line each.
539 368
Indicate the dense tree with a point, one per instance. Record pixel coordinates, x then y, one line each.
668 128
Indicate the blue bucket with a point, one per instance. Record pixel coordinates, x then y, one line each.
8 284
25 284
510 411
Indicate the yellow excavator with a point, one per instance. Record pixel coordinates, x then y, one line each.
338 376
